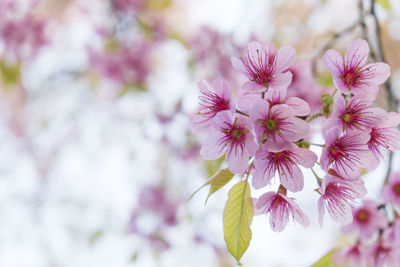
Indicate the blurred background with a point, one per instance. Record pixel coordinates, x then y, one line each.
97 159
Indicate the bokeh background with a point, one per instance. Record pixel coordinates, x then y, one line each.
97 160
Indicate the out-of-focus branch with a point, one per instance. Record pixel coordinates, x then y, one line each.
331 41
393 103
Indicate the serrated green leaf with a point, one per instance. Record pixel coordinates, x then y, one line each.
238 215
384 3
326 260
216 182
10 74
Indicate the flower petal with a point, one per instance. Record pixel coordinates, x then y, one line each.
357 54
333 62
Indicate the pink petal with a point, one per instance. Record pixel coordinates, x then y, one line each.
253 87
331 136
286 55
250 144
260 203
245 101
278 219
204 86
392 119
222 88
324 160
300 107
298 215
255 51
222 117
357 54
264 199
239 66
281 80
292 178
212 148
305 157
333 62
341 85
238 162
381 72
321 210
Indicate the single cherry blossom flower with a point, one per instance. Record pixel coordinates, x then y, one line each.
338 197
352 73
213 99
391 191
385 135
348 154
354 255
233 137
354 114
279 207
367 220
265 67
285 161
277 124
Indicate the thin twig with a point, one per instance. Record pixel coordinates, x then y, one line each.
393 103
331 41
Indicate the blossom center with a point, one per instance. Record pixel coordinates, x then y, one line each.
350 77
396 189
270 124
347 117
363 216
237 133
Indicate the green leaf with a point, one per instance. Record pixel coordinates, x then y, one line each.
384 3
10 74
326 260
212 166
216 182
238 215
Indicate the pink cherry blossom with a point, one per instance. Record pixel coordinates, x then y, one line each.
352 73
233 136
354 255
213 99
279 207
338 197
276 124
285 161
385 135
299 106
355 114
348 154
23 37
367 220
391 191
383 254
265 67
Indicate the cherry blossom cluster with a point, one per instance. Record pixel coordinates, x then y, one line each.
264 133
378 230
